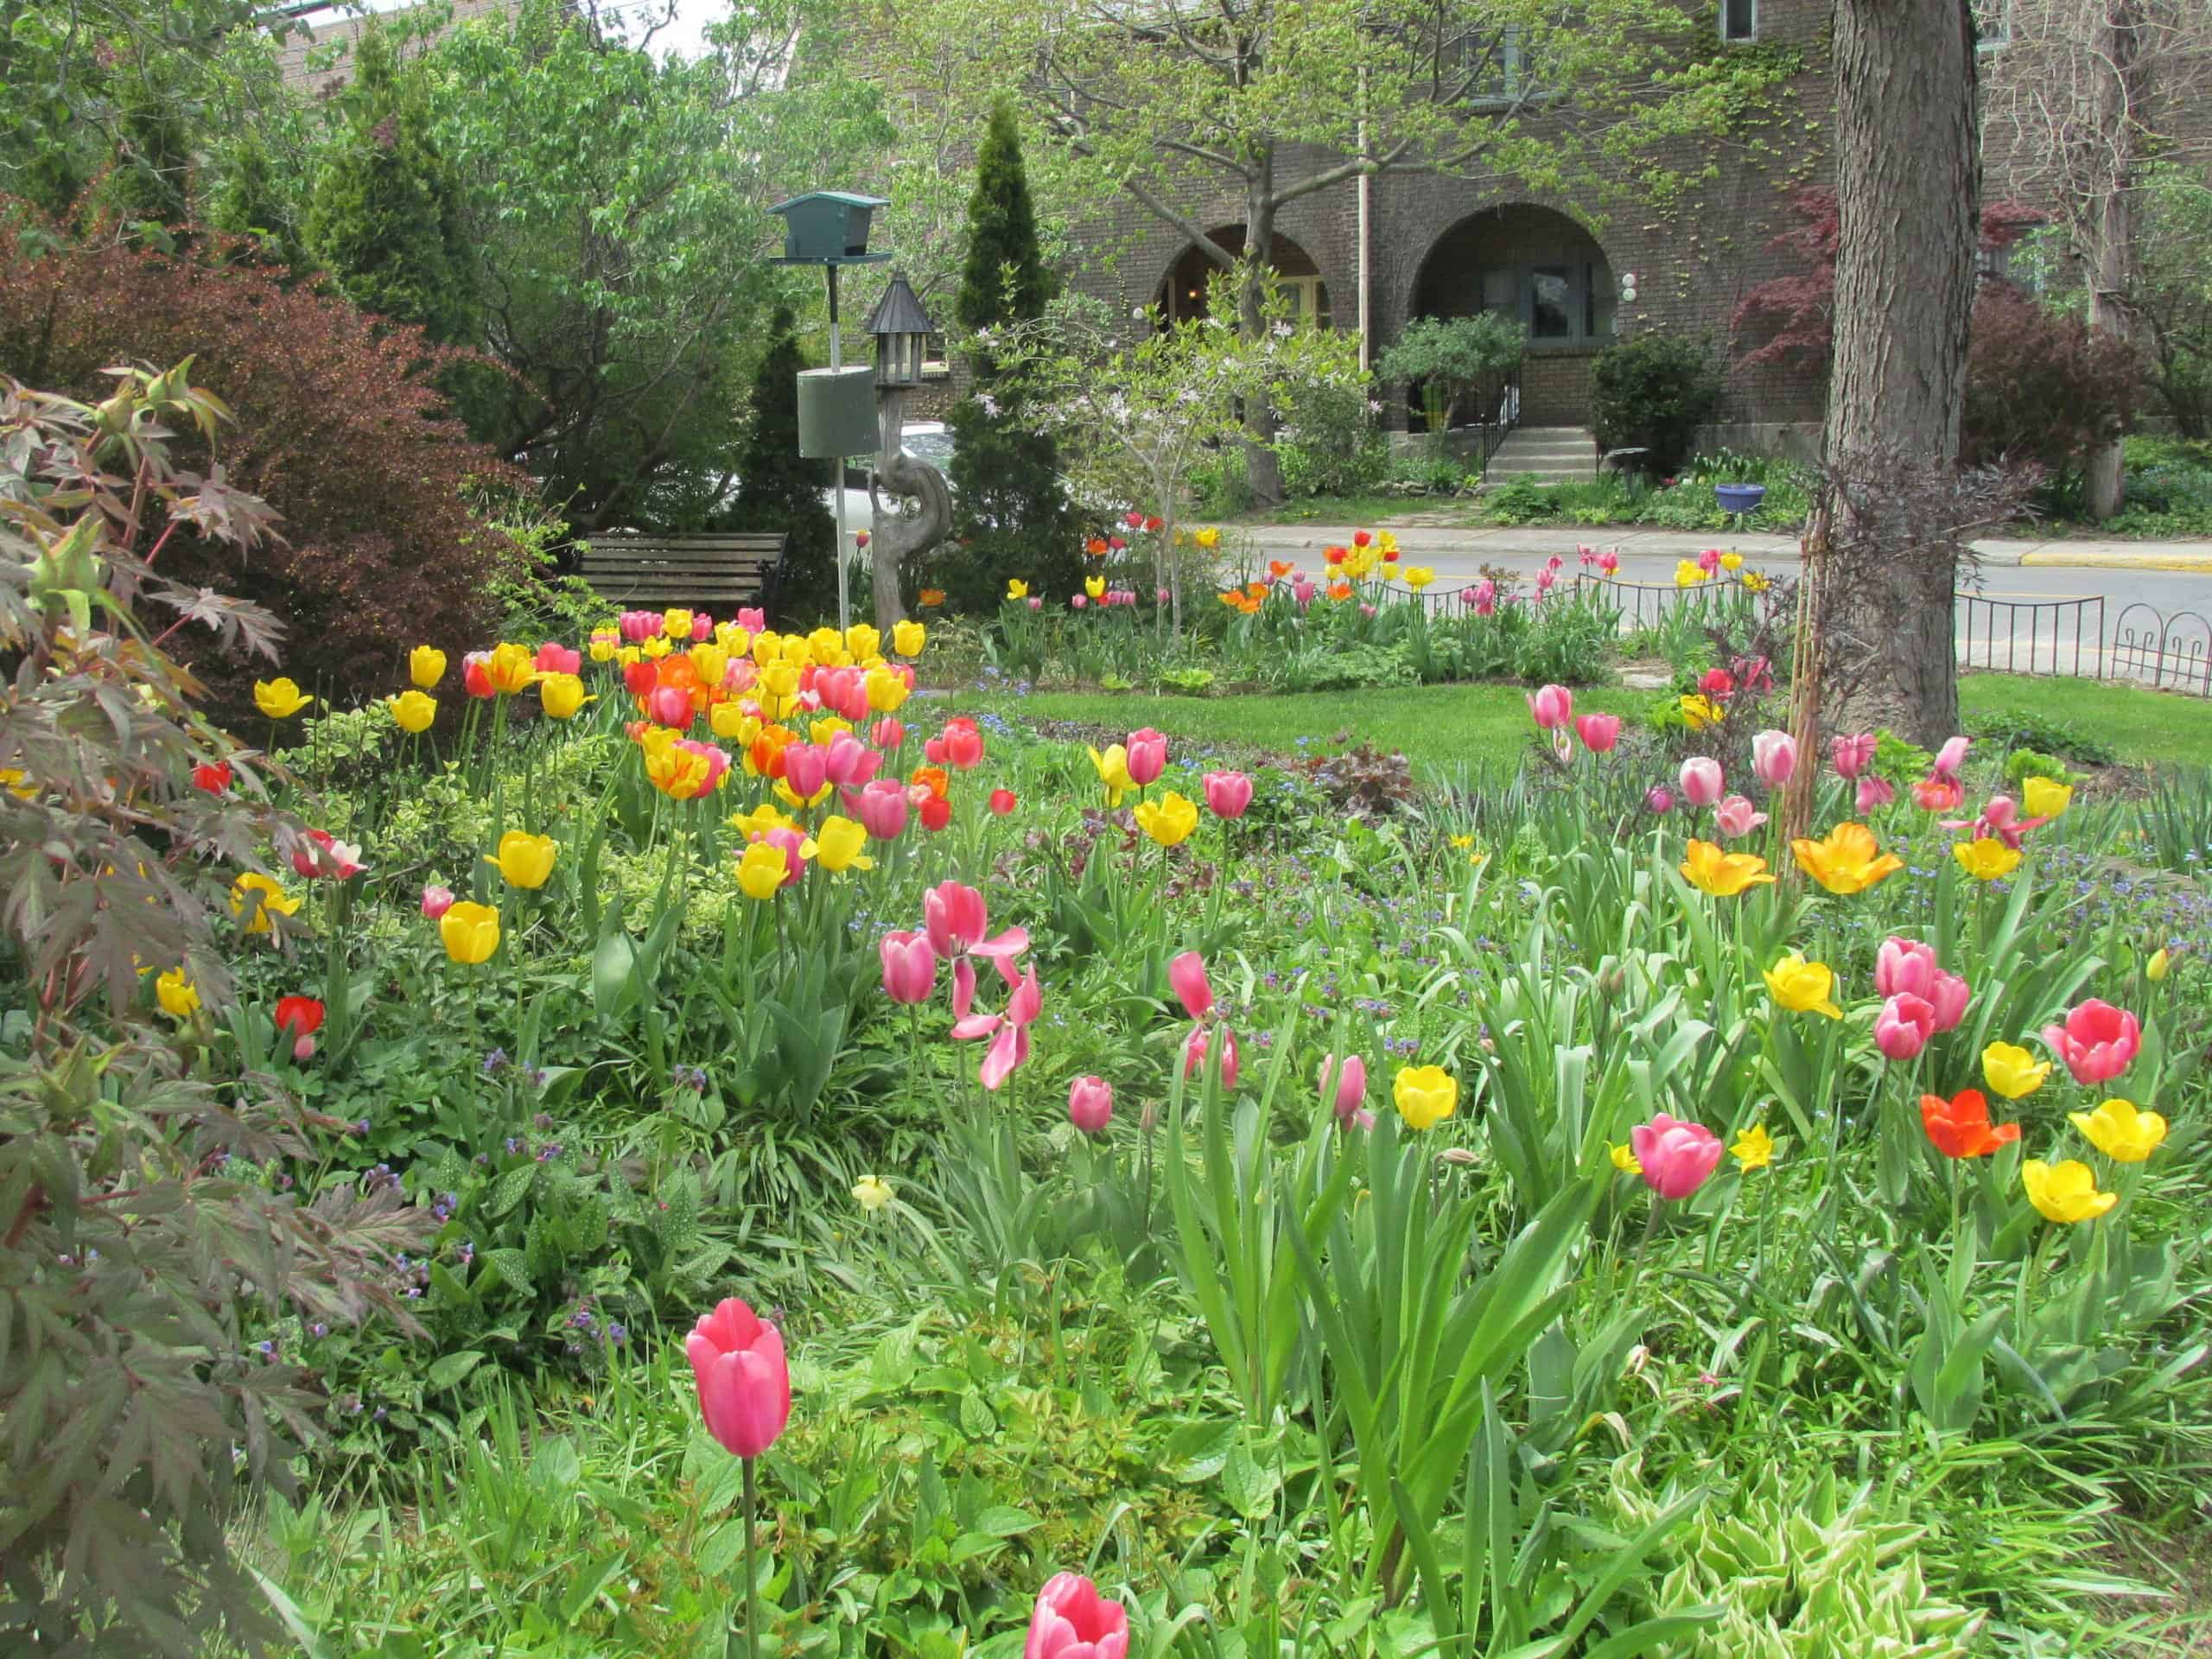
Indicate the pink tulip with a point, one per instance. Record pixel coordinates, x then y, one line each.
880 806
1675 1156
1598 733
1702 780
1608 562
553 658
1343 1086
1904 1026
909 968
435 902
1998 820
1949 996
1228 793
1851 754
1951 757
752 619
1774 758
1091 1104
1036 602
1551 707
1659 798
1907 966
1709 560
887 732
1147 751
1875 791
670 706
1186 977
1200 1044
1008 1052
703 626
2098 1041
956 921
745 1386
1485 598
1303 590
848 762
790 843
1160 595
806 769
1073 1621
1736 817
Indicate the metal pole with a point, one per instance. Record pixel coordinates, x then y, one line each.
837 470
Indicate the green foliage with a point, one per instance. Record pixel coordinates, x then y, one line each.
385 218
1652 392
1327 440
2022 728
780 490
1446 359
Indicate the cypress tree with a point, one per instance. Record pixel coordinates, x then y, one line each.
385 218
777 489
1013 517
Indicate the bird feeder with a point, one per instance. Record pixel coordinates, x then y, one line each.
902 331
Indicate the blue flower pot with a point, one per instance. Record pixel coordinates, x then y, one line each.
1739 498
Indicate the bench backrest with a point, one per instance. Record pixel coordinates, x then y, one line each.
647 571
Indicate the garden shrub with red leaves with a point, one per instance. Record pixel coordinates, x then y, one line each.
2042 386
337 426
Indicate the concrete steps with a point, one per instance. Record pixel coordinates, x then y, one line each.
1552 454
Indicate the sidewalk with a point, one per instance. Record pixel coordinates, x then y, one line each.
1500 543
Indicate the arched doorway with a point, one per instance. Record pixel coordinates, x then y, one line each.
1532 264
1182 295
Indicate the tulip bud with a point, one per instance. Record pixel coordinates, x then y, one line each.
303 1049
1090 1103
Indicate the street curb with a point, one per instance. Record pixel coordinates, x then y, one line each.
2048 558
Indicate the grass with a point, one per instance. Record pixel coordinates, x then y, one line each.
1442 726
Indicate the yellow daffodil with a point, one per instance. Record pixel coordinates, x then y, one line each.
1425 1096
907 638
838 846
1756 583
273 899
2011 1071
1803 987
470 932
872 1193
1113 768
16 782
1624 1158
1986 860
413 711
179 996
561 695
524 860
1463 843
279 699
1169 820
1700 711
1846 860
1017 589
760 872
1419 577
1722 875
1753 1148
2121 1130
2066 1191
759 821
2046 798
426 666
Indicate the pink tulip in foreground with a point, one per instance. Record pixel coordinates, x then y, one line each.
1909 966
1073 1621
1736 817
1904 1026
1598 733
1228 793
1200 1044
1343 1086
1186 977
2098 1041
744 1386
1147 756
1675 1156
435 902
1702 780
880 806
909 968
1551 707
954 917
1851 754
1091 1104
1774 758
1875 791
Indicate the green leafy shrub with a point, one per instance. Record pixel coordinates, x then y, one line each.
1652 392
1327 440
1447 360
2018 729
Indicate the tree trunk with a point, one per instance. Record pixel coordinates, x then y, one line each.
1907 178
2112 223
1262 468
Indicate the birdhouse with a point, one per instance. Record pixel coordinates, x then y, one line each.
828 227
902 330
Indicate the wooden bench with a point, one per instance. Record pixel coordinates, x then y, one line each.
716 573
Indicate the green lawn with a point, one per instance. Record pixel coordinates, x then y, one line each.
1446 726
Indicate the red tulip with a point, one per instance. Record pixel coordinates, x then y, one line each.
1186 977
936 813
1002 802
1228 793
959 746
745 1386
212 776
640 677
909 968
474 679
302 1016
1959 1127
887 732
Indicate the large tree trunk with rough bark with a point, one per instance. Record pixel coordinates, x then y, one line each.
1262 466
1907 182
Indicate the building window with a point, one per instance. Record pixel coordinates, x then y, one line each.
936 363
1562 301
1498 74
1993 24
1307 298
1740 20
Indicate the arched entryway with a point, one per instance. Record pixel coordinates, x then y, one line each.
1182 293
1548 272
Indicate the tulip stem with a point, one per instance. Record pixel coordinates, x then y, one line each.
751 1577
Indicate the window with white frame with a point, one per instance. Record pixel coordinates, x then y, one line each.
1563 300
1740 20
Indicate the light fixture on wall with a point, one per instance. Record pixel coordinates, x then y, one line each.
1628 288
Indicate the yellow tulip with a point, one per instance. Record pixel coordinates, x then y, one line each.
676 623
760 872
1700 712
279 699
561 695
838 843
778 689
1425 1096
2046 798
907 638
886 692
1986 860
2065 1192
1094 587
729 721
1846 860
2011 1071
1113 768
273 899
413 711
524 860
1017 589
2121 1130
862 640
1169 820
180 997
1208 539
680 774
1731 563
1688 574
872 1193
2159 967
1756 583
1723 875
736 640
470 931
767 647
426 666
759 821
1753 1148
606 645
1419 577
823 728
1803 987
711 660
509 668
16 782
656 648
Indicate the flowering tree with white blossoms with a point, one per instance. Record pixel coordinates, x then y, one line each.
1137 404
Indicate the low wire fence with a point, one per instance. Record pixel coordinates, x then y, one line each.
2174 651
2031 636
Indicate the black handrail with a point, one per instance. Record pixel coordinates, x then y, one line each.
1500 417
